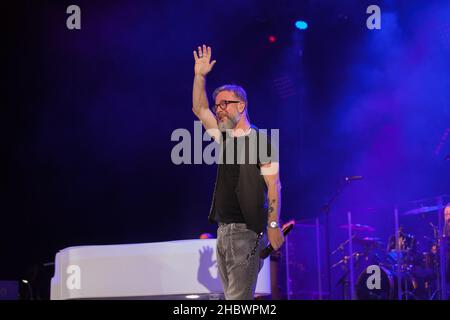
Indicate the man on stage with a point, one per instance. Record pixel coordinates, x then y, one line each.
247 195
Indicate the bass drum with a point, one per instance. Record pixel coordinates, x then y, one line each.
388 285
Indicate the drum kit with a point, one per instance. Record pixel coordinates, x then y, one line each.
399 264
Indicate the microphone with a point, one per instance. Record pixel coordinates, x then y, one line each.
351 178
269 249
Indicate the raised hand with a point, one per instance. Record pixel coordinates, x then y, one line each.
203 63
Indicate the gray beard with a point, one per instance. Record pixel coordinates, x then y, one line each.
227 124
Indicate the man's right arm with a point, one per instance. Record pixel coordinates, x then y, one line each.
200 105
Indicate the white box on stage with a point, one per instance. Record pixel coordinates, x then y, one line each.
159 270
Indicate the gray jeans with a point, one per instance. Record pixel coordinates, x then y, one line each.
238 260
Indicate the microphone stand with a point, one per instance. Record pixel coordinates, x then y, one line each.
326 211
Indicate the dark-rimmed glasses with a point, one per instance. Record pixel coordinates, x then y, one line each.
223 104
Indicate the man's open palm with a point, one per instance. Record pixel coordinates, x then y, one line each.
203 63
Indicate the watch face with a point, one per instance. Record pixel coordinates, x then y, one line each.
273 224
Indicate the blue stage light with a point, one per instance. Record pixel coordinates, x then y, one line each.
300 24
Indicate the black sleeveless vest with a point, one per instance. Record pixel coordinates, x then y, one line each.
251 191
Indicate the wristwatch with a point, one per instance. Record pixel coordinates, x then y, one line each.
273 225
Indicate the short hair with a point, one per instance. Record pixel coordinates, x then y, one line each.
237 90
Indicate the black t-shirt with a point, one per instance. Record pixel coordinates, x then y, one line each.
228 209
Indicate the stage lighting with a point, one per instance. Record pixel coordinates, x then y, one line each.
300 24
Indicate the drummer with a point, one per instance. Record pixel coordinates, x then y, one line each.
405 241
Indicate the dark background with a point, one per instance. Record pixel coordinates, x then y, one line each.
87 115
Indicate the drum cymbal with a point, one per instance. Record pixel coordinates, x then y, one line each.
358 227
369 241
421 210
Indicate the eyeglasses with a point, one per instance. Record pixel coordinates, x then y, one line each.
223 104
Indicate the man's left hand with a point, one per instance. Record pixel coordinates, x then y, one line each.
276 237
